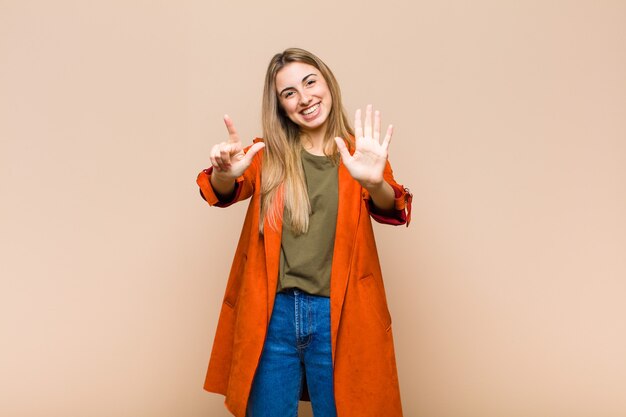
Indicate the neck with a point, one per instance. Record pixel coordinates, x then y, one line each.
313 141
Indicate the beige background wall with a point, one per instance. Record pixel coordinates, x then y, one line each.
507 292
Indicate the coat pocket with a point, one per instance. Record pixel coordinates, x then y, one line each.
376 300
234 282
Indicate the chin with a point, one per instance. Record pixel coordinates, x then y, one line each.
312 126
317 123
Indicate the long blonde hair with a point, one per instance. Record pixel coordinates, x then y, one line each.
282 178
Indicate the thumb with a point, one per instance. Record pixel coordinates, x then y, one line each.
343 150
253 151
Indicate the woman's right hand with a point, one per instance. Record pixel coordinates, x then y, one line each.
228 158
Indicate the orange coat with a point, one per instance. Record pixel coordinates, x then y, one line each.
365 376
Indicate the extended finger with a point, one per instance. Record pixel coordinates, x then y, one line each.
377 126
343 150
368 121
387 139
358 128
233 137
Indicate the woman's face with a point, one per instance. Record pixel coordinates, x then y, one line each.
304 95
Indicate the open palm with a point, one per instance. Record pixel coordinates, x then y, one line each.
367 163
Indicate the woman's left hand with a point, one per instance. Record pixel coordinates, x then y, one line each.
367 163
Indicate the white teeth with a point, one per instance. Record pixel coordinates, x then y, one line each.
311 110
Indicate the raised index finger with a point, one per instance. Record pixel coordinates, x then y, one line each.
358 127
233 137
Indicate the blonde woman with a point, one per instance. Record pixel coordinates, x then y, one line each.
305 315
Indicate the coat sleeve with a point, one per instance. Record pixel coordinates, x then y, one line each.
244 185
401 213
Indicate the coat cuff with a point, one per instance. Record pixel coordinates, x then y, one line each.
208 193
401 213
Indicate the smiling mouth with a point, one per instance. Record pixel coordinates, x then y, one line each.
310 109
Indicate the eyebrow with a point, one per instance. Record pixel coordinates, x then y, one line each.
303 80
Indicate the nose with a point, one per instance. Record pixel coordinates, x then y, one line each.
305 99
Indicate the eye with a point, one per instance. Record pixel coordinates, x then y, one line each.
310 82
288 94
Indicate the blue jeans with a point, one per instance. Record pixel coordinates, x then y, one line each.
297 345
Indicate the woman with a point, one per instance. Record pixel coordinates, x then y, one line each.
304 313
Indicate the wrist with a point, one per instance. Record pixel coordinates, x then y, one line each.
382 195
222 185
221 177
374 187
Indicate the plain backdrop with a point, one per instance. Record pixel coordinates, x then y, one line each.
507 291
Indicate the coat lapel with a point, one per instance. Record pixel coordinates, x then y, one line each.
272 237
348 214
